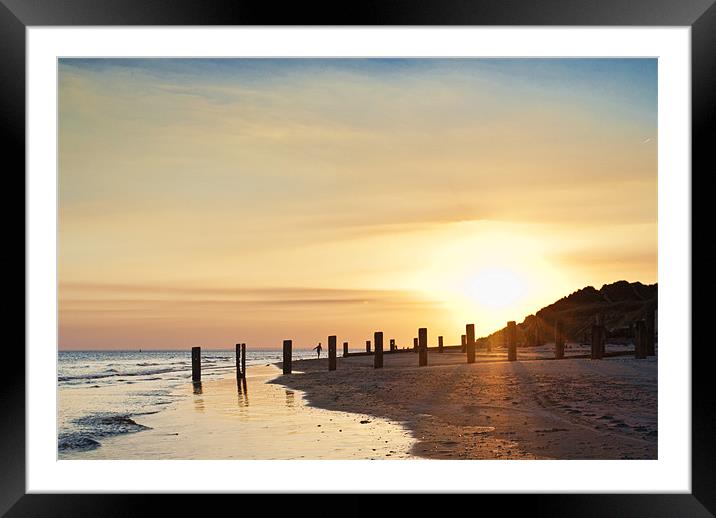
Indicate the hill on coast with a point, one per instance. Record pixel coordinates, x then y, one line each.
617 306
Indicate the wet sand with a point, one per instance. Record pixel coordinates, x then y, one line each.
494 409
224 419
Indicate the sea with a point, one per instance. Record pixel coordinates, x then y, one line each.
103 394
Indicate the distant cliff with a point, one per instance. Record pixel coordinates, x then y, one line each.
617 305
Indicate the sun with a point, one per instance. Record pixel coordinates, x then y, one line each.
496 287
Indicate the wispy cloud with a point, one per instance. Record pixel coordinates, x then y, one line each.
197 179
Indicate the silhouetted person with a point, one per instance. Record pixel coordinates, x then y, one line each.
318 349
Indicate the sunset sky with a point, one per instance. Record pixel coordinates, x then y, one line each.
208 202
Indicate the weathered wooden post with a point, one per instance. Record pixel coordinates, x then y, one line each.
415 345
597 350
243 360
470 342
287 346
392 344
440 344
345 349
602 335
378 358
196 364
558 341
332 353
512 341
367 346
422 346
238 360
640 347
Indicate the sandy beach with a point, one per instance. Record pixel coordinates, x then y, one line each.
494 409
535 408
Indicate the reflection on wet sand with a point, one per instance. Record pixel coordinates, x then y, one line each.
243 393
216 422
198 391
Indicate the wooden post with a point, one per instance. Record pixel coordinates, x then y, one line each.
596 342
287 346
378 358
367 346
512 341
463 342
345 349
422 346
332 353
558 341
243 360
196 364
470 342
640 349
415 345
392 344
440 344
238 360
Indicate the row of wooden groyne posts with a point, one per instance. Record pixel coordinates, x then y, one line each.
644 346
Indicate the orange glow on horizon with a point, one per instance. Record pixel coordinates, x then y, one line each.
206 203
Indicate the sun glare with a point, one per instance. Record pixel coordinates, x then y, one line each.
496 288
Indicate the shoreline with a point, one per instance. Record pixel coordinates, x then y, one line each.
573 408
253 420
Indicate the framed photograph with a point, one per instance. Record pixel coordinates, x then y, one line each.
400 249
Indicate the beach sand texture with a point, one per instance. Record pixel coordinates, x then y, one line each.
494 409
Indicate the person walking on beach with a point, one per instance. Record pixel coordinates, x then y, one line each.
318 349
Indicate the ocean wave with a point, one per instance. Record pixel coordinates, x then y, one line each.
93 427
113 373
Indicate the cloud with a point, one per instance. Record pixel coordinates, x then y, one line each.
193 180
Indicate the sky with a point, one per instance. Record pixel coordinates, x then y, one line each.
215 201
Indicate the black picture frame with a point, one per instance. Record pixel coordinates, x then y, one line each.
700 15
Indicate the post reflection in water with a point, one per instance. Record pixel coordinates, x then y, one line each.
198 401
289 398
243 393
